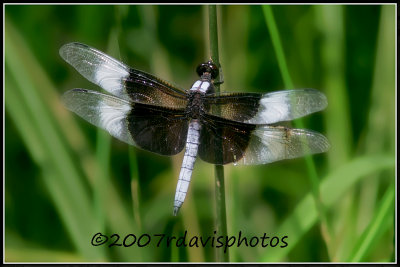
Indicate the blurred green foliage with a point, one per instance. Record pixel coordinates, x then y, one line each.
65 180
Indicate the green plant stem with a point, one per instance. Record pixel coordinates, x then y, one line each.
219 169
312 172
381 222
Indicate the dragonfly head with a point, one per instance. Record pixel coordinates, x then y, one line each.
208 68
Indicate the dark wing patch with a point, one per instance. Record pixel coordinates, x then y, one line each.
223 141
157 129
145 88
239 107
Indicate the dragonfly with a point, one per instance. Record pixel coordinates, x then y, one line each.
220 128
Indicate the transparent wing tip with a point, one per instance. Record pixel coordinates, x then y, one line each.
70 99
66 49
325 144
319 143
317 99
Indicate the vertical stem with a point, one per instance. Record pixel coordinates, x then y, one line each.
219 169
213 31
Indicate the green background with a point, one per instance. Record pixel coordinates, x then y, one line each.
65 180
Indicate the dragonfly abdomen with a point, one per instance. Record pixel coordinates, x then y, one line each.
192 145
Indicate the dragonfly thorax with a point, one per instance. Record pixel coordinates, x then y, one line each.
195 104
202 85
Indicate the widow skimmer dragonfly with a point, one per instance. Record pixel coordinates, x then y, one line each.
220 128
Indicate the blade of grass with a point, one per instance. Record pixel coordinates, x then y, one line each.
331 22
22 119
380 223
333 187
73 204
311 169
70 135
278 48
379 135
219 169
330 19
103 149
103 153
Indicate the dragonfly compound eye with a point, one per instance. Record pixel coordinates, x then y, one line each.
209 67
